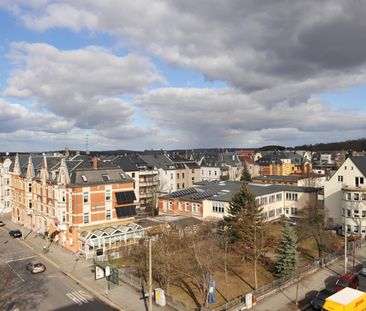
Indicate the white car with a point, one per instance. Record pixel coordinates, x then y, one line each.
363 271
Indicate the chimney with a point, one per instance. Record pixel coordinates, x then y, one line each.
95 162
66 152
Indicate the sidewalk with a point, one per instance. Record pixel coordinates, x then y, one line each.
121 297
307 287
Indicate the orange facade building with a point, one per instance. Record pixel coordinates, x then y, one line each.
62 197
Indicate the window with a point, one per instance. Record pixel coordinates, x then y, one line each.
108 195
29 204
348 196
363 196
63 197
348 213
85 196
355 213
192 179
86 218
361 180
271 213
345 167
106 177
182 175
356 196
84 179
108 215
133 175
192 171
215 173
340 178
180 206
30 187
170 205
363 214
218 207
171 176
279 197
186 206
177 185
63 216
182 185
178 175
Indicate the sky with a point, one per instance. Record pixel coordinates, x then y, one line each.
172 74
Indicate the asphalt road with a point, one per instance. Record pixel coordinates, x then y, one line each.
359 263
50 290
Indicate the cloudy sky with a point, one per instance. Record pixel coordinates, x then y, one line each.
144 74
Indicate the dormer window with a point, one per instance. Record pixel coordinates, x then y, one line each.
106 177
83 177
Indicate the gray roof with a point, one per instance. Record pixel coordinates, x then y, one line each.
279 178
225 190
96 177
159 160
360 162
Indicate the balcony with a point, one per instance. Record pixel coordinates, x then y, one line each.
146 195
149 183
148 172
353 188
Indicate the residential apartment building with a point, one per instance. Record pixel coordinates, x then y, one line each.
146 179
65 197
173 174
5 188
345 197
212 199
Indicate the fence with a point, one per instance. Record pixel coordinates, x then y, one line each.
127 276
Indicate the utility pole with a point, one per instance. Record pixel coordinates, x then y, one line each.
150 277
345 241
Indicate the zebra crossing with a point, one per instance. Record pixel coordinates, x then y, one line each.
80 297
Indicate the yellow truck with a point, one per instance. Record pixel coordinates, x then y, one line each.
347 299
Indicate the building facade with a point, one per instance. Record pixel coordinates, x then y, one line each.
345 197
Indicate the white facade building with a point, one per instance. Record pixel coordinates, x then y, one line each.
345 197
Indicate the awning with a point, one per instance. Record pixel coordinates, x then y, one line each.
125 197
125 211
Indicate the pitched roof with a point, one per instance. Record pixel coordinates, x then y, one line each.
360 162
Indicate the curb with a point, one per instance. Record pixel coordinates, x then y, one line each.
75 279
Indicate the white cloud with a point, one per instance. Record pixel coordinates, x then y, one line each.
226 117
15 117
81 85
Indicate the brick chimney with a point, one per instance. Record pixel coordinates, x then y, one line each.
95 162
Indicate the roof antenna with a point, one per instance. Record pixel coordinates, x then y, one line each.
87 144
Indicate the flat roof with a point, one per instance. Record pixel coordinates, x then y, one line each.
346 296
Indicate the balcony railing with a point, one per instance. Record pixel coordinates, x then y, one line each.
148 183
148 172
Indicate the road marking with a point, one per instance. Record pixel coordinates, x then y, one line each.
20 259
15 272
80 297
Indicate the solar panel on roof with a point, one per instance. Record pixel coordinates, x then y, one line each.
183 192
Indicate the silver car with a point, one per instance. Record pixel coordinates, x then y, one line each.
35 267
363 271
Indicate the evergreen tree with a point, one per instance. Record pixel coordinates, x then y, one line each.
245 226
245 175
287 253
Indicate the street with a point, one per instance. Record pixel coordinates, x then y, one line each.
50 290
359 262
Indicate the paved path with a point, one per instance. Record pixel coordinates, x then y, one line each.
122 296
50 290
309 285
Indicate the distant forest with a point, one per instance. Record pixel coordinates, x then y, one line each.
356 145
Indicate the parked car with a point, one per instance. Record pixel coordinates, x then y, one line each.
15 233
318 301
363 271
350 279
35 266
2 224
